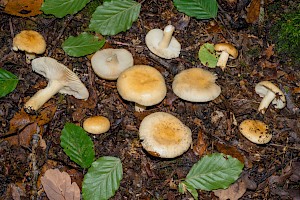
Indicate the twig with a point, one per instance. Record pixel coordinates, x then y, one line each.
35 171
284 146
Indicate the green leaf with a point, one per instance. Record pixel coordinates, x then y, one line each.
8 82
114 16
215 171
184 186
77 145
102 179
60 8
82 45
207 55
201 9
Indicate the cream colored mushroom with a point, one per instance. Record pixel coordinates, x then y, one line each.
163 135
109 63
96 124
162 43
271 94
61 80
143 85
31 42
255 131
227 51
196 85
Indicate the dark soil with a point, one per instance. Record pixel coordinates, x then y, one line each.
147 177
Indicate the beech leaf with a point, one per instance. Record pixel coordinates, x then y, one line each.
8 82
77 145
58 186
207 55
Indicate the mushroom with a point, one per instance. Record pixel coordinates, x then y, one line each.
270 93
109 63
61 79
196 85
255 131
227 51
163 135
96 124
162 43
143 85
31 42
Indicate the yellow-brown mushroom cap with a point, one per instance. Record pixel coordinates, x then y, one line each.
229 48
29 41
255 131
163 135
96 124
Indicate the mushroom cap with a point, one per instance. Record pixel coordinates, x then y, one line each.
255 131
142 84
104 66
163 135
154 37
96 124
29 41
230 49
55 71
196 85
263 87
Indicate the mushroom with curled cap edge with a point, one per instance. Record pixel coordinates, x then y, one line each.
31 42
271 94
163 135
61 79
96 124
255 131
109 63
162 43
227 51
196 85
143 85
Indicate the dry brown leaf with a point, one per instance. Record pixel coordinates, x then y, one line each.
269 51
230 150
234 192
46 115
19 121
253 11
23 8
24 137
200 147
58 186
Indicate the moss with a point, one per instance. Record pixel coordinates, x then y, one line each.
286 35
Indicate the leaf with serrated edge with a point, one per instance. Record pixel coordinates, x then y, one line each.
207 55
215 171
201 9
77 145
8 82
61 8
82 45
102 179
114 17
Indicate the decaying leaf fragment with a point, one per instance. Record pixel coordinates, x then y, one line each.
58 186
23 8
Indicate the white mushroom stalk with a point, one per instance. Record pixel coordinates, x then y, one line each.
139 107
168 32
223 60
264 104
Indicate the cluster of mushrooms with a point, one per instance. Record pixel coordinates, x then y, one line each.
162 134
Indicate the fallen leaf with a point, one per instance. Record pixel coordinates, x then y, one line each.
58 186
24 137
19 121
200 147
253 11
46 115
296 90
230 150
269 51
23 8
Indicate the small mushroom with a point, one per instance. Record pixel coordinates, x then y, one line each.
31 42
270 93
196 85
162 43
143 85
61 79
255 131
227 51
163 135
96 124
109 63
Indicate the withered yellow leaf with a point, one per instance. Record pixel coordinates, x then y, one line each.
23 8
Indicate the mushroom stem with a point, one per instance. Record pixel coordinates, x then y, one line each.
43 95
139 107
112 60
29 57
223 60
269 97
168 31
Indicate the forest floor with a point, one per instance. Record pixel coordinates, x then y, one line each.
272 168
